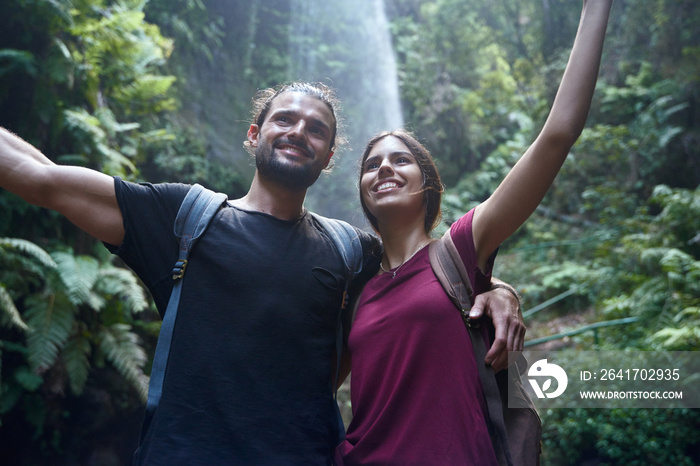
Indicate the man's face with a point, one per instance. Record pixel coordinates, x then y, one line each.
292 146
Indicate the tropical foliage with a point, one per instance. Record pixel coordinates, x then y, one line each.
159 89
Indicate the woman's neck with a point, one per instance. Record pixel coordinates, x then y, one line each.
401 242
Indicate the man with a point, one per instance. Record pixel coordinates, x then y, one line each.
249 377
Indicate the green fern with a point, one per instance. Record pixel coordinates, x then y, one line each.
75 356
50 319
73 286
11 60
114 281
8 311
78 274
28 248
122 348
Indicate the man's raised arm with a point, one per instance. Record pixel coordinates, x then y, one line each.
86 197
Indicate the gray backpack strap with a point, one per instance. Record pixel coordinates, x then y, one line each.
196 211
348 244
452 275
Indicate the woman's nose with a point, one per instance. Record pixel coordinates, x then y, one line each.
385 168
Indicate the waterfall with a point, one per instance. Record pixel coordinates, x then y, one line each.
346 45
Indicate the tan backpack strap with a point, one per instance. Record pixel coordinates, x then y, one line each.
452 275
450 271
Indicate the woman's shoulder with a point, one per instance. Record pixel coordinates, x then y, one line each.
462 228
463 239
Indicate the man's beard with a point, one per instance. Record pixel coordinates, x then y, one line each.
292 177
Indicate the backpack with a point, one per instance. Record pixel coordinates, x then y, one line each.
517 429
195 213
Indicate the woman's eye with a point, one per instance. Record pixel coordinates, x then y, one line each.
372 166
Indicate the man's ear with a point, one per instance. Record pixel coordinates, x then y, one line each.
253 134
328 159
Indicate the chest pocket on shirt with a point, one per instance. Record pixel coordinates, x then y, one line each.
327 278
327 295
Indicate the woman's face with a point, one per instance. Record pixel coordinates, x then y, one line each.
392 180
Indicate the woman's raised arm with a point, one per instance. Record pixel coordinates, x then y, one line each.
523 188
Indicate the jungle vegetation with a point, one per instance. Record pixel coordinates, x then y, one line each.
159 90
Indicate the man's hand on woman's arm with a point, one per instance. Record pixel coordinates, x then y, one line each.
502 305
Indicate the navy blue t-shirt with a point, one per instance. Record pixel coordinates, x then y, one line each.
249 375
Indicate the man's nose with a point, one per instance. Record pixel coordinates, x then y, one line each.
298 130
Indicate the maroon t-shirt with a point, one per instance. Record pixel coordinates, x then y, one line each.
415 390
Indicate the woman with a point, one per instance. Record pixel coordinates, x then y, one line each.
415 390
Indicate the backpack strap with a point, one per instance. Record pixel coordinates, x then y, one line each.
196 211
452 275
347 243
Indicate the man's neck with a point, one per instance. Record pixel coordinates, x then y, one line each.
273 199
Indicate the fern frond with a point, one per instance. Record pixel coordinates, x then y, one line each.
122 348
110 123
80 120
50 322
12 59
29 248
75 358
27 379
678 339
122 283
115 161
8 310
78 274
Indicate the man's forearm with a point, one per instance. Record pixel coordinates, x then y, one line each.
21 166
498 283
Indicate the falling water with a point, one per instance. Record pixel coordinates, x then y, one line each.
348 46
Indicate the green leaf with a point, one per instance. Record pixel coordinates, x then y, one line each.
78 274
123 350
13 60
27 379
50 321
10 314
124 284
75 358
29 248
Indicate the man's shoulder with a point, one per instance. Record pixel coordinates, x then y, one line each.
346 230
130 188
152 205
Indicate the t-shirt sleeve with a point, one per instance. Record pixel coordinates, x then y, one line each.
150 247
463 237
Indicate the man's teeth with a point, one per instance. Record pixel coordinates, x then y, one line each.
293 149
